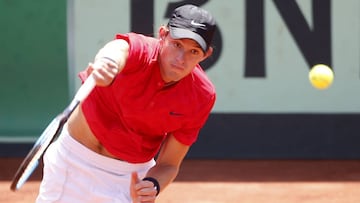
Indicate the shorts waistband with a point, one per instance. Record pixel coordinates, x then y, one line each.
69 144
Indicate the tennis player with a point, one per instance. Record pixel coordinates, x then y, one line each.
151 100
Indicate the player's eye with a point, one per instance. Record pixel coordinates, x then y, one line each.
195 51
177 44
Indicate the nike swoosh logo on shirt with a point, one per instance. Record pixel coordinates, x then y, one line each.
173 113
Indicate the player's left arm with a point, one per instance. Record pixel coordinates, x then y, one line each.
165 171
168 161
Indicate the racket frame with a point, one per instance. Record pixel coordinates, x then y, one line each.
49 135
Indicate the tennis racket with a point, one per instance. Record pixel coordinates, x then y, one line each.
49 135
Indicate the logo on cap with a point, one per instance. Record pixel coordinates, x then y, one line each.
189 18
197 24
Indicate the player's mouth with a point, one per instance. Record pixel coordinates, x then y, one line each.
177 67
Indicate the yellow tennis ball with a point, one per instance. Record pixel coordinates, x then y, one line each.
321 76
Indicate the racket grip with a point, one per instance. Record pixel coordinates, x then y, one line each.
85 89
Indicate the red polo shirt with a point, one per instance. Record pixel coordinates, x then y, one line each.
133 115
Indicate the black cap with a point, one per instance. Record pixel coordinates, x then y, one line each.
192 22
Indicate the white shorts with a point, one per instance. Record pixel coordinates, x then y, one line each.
73 173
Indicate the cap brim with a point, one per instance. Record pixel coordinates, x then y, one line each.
179 33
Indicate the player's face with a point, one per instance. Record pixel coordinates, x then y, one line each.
178 57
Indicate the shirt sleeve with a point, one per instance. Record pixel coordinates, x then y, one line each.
139 47
141 50
189 134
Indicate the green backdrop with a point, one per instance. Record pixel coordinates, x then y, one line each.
33 66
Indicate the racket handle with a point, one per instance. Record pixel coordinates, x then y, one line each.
85 89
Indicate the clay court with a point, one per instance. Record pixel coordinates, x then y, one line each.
245 181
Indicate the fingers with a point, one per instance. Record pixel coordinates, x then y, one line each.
104 71
134 178
133 191
142 191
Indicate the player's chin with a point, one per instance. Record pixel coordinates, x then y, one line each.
174 76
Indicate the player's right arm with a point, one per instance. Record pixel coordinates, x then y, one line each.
109 61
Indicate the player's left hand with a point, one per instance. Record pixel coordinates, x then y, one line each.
142 191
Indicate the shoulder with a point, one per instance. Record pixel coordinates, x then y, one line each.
202 90
142 49
201 81
138 41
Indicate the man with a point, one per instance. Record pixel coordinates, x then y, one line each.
151 100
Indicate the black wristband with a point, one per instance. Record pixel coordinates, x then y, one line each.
155 182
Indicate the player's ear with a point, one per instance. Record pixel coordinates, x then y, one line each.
163 31
208 52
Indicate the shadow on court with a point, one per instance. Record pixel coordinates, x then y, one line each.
270 170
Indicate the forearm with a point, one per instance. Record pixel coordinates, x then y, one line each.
116 50
164 174
108 62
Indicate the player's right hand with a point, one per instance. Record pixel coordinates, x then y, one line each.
103 71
